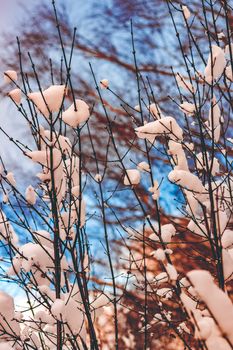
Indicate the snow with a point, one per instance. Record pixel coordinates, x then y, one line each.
47 292
215 65
74 118
184 282
43 237
214 120
158 317
98 303
229 73
132 178
51 331
188 108
44 177
187 180
179 159
189 146
72 165
34 254
155 190
6 346
192 206
197 228
222 221
75 191
44 158
33 257
164 126
167 231
161 278
9 76
10 178
7 323
98 178
7 230
7 305
30 195
38 156
70 217
227 262
171 271
155 111
215 299
143 166
190 305
221 35
44 316
217 343
214 163
159 254
5 198
58 308
227 50
153 236
227 238
15 95
184 328
168 251
104 83
205 326
63 144
83 213
129 341
184 83
50 100
73 314
164 293
186 12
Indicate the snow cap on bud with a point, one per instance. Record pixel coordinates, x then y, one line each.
9 76
132 177
30 195
74 117
11 179
104 83
143 166
159 254
186 12
15 95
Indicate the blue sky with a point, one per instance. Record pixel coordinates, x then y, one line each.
11 11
